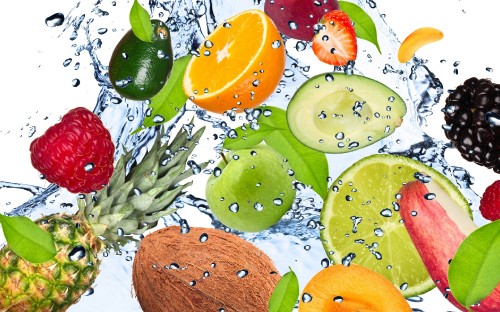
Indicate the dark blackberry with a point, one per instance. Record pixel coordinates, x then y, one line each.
472 116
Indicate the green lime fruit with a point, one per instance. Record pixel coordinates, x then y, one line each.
339 113
252 191
138 69
361 219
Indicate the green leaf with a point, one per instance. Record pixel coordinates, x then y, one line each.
310 166
27 239
167 103
248 137
474 271
141 22
285 294
363 23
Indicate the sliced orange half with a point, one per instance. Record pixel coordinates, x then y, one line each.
239 65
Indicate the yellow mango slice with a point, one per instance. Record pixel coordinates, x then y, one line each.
416 40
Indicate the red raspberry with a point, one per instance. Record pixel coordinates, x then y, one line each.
490 202
77 153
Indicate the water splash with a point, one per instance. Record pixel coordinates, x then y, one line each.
297 233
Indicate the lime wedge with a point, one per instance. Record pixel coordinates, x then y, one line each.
361 217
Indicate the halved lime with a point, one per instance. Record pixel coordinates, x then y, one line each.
361 217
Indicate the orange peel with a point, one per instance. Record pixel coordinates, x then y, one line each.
416 40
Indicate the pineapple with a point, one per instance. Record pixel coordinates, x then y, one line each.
131 204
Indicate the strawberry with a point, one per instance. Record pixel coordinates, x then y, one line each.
490 202
335 43
77 153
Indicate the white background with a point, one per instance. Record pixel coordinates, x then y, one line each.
34 84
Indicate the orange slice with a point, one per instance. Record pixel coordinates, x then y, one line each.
416 40
239 65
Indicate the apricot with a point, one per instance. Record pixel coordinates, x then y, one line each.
341 288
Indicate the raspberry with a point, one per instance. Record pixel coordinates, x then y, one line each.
77 153
472 115
490 202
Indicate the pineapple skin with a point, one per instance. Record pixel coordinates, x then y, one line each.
57 284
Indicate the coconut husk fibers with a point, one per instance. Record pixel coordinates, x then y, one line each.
174 272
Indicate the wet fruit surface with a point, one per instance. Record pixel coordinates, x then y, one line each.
341 288
472 115
363 223
297 18
338 113
239 65
252 191
138 69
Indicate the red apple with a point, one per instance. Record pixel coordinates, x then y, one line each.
437 223
296 18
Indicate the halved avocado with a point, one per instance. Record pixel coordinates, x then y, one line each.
338 113
138 69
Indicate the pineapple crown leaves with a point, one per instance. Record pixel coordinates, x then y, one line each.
134 201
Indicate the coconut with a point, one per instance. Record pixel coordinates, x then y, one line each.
202 270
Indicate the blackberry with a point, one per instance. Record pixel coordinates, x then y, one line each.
472 116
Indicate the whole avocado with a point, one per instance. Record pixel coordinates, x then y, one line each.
138 69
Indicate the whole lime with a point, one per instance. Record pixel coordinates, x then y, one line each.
252 191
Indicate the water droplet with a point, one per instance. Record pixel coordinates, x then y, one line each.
278 201
258 206
346 261
184 226
329 77
208 44
293 25
192 283
75 82
386 212
306 298
378 232
89 292
217 171
77 253
300 46
234 207
242 273
414 213
120 232
325 262
276 44
338 299
89 167
430 196
203 237
403 286
56 19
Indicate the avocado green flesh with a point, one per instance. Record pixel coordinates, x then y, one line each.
345 113
138 69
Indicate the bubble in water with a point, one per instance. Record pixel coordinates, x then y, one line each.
56 19
77 253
